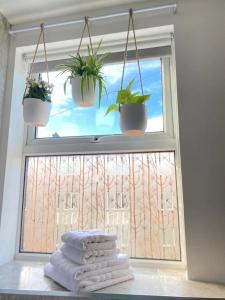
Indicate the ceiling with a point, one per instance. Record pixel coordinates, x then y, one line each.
23 11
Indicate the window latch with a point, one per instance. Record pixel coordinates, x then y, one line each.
96 139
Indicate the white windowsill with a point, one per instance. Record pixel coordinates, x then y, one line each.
26 278
135 262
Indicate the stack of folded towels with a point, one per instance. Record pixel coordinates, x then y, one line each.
88 261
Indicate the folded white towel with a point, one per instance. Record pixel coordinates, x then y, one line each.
76 271
88 284
101 285
98 246
87 256
84 240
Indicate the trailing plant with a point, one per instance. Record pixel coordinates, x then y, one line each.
126 96
39 89
87 68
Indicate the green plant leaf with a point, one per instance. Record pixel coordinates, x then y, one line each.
65 84
126 96
139 99
101 57
99 45
82 84
111 108
87 68
100 87
130 85
123 96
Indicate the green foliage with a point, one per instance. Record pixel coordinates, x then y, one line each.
39 89
126 96
88 68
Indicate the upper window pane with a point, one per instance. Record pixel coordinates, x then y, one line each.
68 120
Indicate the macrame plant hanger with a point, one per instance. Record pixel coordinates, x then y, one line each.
42 34
82 94
131 24
86 25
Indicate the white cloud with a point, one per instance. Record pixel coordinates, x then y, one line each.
102 120
113 73
150 65
60 100
153 86
68 129
82 108
65 129
43 132
155 124
67 113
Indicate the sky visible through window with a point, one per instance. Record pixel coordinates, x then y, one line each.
68 120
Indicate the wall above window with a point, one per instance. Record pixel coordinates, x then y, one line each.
45 11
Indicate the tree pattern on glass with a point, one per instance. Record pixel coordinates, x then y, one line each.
132 195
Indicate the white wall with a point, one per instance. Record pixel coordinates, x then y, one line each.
200 56
200 59
4 48
11 155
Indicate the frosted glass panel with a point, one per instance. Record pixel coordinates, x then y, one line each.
132 195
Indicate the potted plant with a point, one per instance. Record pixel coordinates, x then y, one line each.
85 76
37 102
133 111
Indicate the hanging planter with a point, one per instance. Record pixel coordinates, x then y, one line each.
130 105
133 119
85 74
133 111
89 96
36 112
37 96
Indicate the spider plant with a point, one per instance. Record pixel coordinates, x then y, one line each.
88 68
126 96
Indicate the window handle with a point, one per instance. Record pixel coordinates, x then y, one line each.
96 139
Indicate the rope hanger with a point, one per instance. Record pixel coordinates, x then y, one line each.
42 34
131 23
86 25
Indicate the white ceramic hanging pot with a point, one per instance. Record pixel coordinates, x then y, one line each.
89 93
133 119
36 112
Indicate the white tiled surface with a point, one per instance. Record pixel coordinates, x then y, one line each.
27 277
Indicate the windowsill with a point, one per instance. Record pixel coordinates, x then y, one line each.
26 278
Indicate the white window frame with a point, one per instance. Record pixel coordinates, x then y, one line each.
112 143
149 142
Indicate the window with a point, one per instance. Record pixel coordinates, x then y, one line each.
69 120
125 185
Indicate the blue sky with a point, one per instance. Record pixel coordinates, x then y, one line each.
68 120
